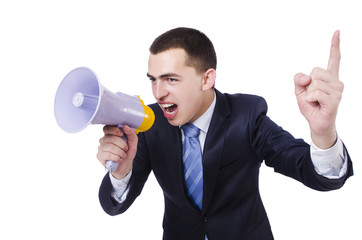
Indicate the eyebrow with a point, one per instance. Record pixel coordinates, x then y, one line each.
166 75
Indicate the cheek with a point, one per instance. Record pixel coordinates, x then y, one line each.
188 96
190 105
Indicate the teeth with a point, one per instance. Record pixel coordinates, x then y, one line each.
168 112
167 105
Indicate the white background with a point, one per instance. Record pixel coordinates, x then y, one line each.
49 179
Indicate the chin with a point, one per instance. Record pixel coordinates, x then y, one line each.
174 122
177 122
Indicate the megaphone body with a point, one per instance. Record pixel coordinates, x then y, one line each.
81 100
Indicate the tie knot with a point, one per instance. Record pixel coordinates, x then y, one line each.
190 130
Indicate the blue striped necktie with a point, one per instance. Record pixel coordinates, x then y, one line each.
193 164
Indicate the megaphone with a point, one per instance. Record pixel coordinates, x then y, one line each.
81 100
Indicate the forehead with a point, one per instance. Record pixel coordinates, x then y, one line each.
170 60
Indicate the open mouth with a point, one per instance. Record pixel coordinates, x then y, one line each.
169 109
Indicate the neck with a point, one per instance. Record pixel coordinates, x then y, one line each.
207 100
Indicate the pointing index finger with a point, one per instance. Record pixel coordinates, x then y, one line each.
335 54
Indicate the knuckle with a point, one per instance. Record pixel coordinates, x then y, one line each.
315 94
105 148
106 129
337 55
98 156
314 84
111 157
101 158
341 86
123 155
317 72
339 95
113 139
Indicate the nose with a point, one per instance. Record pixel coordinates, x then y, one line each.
159 89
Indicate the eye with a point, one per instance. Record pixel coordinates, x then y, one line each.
171 80
152 79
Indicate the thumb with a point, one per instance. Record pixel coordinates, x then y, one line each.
301 81
132 138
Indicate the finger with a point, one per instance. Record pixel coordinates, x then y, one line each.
113 150
323 75
322 99
114 140
301 81
335 54
322 86
131 137
103 157
112 130
316 97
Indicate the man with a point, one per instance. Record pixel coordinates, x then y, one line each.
234 135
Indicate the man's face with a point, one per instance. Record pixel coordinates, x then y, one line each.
177 88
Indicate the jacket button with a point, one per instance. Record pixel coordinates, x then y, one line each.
204 219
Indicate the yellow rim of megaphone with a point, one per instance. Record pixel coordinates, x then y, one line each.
148 120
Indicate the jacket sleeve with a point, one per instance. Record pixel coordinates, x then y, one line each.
140 173
287 155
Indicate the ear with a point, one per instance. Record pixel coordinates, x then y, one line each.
209 78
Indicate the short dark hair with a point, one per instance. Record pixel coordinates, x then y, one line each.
199 48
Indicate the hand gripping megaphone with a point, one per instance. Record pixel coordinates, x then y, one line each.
81 100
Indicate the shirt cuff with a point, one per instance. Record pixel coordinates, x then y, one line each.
330 163
120 187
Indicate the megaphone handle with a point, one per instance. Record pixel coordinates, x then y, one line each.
110 165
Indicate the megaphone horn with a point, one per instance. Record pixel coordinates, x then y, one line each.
81 100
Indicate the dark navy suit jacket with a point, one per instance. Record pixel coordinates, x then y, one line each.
239 139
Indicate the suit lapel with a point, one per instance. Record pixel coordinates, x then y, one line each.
214 145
